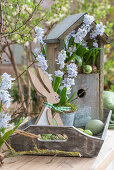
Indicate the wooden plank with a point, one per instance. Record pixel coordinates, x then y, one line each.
52 53
57 117
14 163
101 78
88 105
49 117
104 158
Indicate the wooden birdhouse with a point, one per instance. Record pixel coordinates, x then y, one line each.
90 104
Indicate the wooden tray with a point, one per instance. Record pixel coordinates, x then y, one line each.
76 142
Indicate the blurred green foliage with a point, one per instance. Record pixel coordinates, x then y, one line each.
21 16
16 13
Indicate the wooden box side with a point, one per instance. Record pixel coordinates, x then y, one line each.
90 101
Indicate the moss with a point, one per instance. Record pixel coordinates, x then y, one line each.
73 106
48 152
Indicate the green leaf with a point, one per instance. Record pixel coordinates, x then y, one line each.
78 59
44 48
94 57
71 42
8 133
55 122
57 83
63 96
88 55
73 95
33 54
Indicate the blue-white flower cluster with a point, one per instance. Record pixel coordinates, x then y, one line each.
42 62
6 82
5 85
61 58
71 49
4 120
5 99
71 69
100 28
85 28
67 82
40 33
59 73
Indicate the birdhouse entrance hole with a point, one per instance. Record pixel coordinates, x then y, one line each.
81 93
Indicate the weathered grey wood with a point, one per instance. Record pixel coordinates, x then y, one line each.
52 53
100 65
77 141
64 25
90 83
108 116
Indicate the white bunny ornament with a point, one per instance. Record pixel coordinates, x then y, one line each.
43 86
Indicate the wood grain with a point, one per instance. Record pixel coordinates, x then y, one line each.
87 146
89 83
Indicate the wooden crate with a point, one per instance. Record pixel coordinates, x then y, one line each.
77 141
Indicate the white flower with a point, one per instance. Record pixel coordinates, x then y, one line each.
72 70
68 87
100 28
26 44
80 35
49 75
42 62
4 120
87 27
61 58
78 38
98 31
14 13
84 44
71 50
36 51
59 73
68 81
6 82
40 33
5 97
95 44
88 19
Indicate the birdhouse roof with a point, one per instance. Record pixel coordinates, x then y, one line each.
67 25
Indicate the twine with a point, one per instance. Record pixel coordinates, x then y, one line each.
27 134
